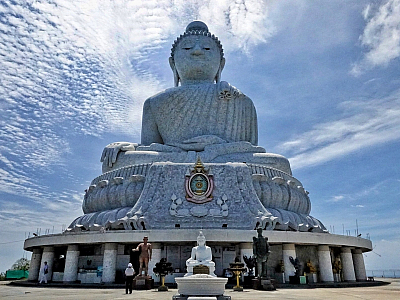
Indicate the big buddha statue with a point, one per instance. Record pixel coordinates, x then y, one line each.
198 164
201 113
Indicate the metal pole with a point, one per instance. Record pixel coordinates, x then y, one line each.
357 226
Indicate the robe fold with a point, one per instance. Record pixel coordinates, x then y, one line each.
187 112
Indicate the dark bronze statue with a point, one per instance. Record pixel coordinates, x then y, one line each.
250 264
296 264
260 253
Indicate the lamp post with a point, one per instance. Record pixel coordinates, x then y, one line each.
162 268
237 268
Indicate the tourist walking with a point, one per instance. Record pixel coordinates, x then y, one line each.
129 272
43 274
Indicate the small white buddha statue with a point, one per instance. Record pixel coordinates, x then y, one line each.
201 255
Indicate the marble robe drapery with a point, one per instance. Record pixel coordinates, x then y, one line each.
179 114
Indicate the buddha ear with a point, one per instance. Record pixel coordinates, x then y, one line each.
176 75
221 67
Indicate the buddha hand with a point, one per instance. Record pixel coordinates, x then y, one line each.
110 152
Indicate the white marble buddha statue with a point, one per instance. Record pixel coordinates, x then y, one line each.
201 255
200 116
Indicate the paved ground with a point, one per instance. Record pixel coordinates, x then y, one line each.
385 292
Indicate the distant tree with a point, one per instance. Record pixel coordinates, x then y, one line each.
21 264
2 276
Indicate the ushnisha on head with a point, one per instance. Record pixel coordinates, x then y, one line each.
197 56
201 239
129 265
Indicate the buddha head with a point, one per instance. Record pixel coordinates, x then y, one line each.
197 55
201 239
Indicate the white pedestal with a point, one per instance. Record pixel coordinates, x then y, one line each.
201 285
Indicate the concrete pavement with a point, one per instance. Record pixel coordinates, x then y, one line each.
385 292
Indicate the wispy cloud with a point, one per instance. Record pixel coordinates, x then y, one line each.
381 36
72 68
336 198
366 123
28 217
369 192
243 24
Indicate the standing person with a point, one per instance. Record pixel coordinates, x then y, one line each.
43 274
144 255
129 272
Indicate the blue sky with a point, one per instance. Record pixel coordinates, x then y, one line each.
323 75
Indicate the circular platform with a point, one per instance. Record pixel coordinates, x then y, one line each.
182 236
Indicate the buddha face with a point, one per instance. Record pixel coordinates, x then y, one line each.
201 240
197 58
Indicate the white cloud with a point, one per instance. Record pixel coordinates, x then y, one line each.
381 36
336 198
241 24
29 217
368 123
85 67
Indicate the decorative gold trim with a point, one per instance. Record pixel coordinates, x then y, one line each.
199 196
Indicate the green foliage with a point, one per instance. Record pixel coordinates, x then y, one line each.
2 276
21 264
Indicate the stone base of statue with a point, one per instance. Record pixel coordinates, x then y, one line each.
142 282
266 284
201 285
163 202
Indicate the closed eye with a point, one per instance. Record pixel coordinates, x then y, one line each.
207 48
187 48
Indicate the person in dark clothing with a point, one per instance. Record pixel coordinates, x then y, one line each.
129 272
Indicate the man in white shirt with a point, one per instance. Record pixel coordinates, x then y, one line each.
129 272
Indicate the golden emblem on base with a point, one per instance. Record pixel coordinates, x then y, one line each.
199 184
